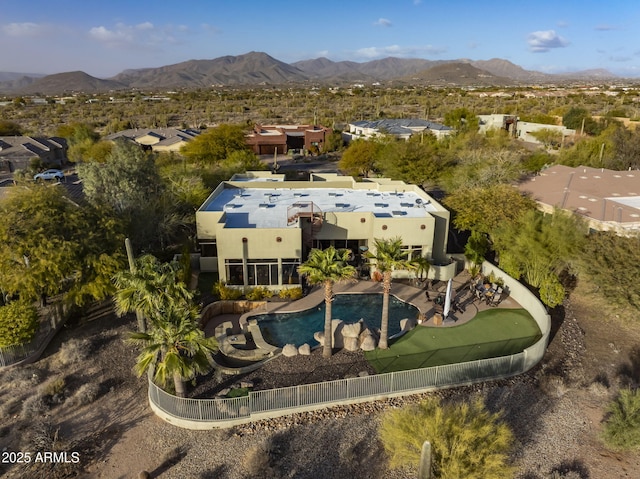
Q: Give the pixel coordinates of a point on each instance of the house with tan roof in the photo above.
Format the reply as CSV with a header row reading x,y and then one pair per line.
x,y
157,139
609,200
17,152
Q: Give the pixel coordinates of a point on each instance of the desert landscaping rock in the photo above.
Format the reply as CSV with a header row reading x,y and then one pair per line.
x,y
304,350
289,350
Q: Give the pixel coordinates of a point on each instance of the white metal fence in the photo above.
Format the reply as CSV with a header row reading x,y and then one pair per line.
x,y
12,354
309,396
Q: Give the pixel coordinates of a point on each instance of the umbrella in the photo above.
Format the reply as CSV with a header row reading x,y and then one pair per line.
x,y
447,299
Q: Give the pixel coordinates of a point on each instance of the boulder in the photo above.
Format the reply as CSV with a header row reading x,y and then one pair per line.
x,y
319,336
368,341
289,350
246,384
304,350
363,374
351,343
407,324
352,330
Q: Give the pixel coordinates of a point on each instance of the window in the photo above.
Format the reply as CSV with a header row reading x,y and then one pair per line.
x,y
263,272
209,249
413,252
290,271
235,274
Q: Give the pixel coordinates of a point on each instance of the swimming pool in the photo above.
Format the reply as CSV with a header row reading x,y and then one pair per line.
x,y
298,328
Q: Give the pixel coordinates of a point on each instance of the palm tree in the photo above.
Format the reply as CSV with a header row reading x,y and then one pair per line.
x,y
327,267
389,256
152,287
175,347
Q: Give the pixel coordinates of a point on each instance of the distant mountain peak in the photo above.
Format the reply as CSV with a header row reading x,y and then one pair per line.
x,y
254,67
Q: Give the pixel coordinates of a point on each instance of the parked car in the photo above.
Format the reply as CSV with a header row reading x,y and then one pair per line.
x,y
49,175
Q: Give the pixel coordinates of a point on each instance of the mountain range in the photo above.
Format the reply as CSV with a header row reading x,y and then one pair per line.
x,y
258,68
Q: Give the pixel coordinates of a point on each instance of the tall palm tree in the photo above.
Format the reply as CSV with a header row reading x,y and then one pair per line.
x,y
327,267
175,347
389,256
152,287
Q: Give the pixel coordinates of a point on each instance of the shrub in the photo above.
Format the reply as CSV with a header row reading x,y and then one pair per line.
x,y
553,386
466,440
238,392
258,293
86,394
73,351
52,388
18,323
222,291
291,293
33,406
622,428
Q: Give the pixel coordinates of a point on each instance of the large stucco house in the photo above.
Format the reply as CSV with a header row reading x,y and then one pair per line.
x,y
522,130
402,128
257,228
270,139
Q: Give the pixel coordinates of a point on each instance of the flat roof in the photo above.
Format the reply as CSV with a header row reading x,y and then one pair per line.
x,y
267,207
597,193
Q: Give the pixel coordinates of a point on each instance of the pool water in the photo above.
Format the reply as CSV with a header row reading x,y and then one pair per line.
x,y
298,328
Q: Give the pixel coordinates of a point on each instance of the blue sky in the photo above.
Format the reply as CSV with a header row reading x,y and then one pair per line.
x,y
104,38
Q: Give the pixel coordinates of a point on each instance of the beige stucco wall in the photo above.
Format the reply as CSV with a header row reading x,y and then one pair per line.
x,y
260,243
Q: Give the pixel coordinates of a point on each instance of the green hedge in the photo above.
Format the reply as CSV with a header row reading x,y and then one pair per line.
x,y
18,323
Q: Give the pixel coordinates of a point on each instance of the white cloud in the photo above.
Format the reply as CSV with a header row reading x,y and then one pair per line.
x,y
143,35
382,22
27,29
145,26
118,36
397,51
543,41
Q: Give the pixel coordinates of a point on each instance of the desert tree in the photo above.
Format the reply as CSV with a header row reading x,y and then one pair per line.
x,y
466,440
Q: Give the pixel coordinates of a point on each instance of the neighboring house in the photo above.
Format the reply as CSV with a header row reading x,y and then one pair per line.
x,y
157,139
400,128
609,200
257,228
17,152
269,139
522,130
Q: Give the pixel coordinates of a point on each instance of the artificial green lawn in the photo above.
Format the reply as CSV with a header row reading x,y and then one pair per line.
x,y
492,333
